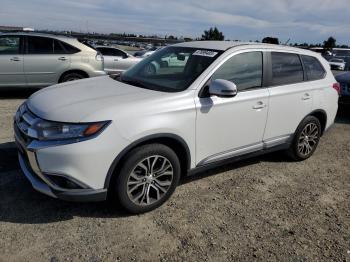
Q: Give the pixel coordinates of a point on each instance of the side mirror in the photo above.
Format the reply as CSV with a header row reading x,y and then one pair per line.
x,y
222,88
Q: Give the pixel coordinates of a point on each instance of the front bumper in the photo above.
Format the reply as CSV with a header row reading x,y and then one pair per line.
x,y
40,182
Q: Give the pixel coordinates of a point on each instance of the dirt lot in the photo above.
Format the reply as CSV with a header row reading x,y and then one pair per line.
x,y
266,208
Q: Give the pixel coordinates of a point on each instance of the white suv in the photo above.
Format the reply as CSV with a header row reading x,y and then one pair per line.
x,y
39,60
132,138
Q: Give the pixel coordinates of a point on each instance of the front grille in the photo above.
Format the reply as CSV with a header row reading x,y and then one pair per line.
x,y
24,123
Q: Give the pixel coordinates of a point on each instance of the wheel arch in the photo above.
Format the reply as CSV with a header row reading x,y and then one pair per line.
x,y
173,141
321,115
78,71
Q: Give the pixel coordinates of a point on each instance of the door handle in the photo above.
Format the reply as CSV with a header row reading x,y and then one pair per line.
x,y
15,59
116,60
62,58
306,96
259,105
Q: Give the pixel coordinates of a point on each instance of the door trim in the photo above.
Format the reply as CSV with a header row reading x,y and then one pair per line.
x,y
270,143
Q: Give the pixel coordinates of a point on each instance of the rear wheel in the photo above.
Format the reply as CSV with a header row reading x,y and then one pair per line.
x,y
148,178
306,139
72,77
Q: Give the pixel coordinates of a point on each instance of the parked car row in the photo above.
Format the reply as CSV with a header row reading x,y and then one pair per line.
x,y
39,60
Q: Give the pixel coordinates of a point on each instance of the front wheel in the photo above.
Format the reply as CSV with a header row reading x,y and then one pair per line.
x,y
148,178
306,139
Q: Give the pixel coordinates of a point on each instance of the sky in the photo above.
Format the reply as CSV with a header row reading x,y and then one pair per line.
x,y
311,21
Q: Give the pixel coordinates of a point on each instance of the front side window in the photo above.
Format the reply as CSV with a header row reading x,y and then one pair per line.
x,y
314,69
9,45
244,70
286,69
171,69
40,45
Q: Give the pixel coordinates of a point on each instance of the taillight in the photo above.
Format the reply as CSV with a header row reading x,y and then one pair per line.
x,y
336,86
99,57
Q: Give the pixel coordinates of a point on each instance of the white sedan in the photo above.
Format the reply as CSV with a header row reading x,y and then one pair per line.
x,y
116,60
337,64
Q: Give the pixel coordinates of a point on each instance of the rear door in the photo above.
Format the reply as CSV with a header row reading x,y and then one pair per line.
x,y
44,61
290,97
11,61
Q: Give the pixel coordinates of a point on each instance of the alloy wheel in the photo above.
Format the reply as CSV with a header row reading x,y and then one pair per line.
x,y
308,139
150,180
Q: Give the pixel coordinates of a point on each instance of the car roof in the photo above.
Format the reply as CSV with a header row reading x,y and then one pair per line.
x,y
63,37
225,45
68,39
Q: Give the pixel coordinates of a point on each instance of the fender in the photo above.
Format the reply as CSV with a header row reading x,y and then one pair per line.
x,y
140,141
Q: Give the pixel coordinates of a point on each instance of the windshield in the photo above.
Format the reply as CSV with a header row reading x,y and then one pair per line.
x,y
171,69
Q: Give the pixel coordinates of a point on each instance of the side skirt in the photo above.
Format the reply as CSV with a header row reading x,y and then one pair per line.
x,y
204,167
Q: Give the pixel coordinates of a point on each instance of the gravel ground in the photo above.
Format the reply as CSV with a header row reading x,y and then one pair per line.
x,y
266,208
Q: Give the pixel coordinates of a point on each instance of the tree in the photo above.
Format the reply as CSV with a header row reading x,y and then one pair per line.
x,y
213,34
271,40
329,44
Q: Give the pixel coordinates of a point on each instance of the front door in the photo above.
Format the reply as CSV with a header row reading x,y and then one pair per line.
x,y
228,127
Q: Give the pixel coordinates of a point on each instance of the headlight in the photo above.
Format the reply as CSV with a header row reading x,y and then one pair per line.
x,y
47,130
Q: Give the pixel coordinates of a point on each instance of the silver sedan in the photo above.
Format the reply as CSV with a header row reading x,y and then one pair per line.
x,y
116,60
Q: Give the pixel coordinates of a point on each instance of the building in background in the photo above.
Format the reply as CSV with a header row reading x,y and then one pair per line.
x,y
4,29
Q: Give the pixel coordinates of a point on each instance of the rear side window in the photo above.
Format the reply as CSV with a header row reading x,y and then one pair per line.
x,y
245,70
40,45
63,48
9,45
286,69
314,69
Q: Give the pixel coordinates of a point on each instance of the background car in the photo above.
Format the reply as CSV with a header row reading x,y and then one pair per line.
x,y
147,52
344,80
116,60
39,60
337,64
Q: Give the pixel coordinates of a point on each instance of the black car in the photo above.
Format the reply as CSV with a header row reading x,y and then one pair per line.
x,y
344,80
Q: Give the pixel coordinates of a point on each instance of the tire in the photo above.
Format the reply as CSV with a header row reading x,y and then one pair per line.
x,y
136,189
72,77
306,139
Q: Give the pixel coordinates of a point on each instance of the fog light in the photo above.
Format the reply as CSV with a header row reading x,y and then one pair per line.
x,y
63,182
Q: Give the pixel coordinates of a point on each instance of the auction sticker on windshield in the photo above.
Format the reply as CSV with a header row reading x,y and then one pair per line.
x,y
205,53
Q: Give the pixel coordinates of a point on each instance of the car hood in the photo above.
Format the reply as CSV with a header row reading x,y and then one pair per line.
x,y
92,99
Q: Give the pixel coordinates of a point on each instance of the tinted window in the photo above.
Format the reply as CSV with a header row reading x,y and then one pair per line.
x,y
286,69
58,48
40,45
245,70
111,52
63,48
116,52
69,49
104,51
9,45
314,69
